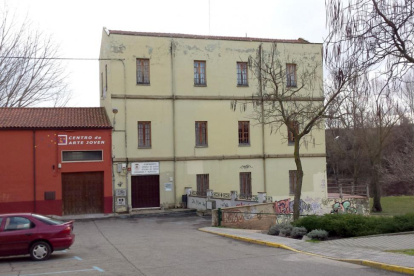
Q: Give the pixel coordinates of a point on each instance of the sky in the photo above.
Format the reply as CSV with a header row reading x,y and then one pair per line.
x,y
77,26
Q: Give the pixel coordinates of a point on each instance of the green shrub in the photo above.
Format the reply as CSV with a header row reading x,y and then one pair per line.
x,y
275,229
287,228
318,234
352,225
298,232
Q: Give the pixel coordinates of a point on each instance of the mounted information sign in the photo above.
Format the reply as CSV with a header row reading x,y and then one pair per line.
x,y
145,168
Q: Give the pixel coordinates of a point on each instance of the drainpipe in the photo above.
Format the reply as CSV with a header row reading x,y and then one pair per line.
x,y
126,137
263,125
34,171
173,120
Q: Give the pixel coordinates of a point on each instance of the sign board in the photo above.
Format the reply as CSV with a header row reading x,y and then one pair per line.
x,y
145,168
120,192
64,140
168,187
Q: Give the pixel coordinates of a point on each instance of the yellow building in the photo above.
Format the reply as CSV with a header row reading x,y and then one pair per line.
x,y
169,96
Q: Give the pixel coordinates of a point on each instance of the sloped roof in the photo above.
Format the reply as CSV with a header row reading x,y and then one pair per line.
x,y
173,35
53,118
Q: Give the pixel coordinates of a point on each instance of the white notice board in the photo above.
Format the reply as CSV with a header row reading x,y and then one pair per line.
x,y
145,168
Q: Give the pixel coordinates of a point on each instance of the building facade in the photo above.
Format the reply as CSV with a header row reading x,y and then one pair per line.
x,y
55,161
169,97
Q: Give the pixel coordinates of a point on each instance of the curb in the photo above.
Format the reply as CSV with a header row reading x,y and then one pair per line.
x,y
383,266
126,215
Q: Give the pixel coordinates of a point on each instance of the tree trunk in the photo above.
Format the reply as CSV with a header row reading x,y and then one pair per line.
x,y
299,178
376,190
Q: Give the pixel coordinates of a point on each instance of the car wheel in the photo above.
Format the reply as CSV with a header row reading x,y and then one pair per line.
x,y
40,251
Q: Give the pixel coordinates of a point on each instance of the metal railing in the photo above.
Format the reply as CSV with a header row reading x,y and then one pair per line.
x,y
349,189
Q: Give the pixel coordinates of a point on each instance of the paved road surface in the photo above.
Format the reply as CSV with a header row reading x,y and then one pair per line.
x,y
171,246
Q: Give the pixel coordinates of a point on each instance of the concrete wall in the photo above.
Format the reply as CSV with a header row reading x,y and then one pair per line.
x,y
262,216
268,158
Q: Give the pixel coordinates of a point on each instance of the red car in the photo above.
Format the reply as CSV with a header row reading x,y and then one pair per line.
x,y
37,235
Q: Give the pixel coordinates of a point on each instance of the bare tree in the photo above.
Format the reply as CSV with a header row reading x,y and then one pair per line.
x,y
378,32
29,73
296,99
371,114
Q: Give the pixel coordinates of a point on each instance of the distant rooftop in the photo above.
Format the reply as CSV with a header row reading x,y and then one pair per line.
x,y
53,118
172,35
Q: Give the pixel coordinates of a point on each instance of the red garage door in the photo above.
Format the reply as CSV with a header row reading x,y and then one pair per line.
x,y
145,191
82,193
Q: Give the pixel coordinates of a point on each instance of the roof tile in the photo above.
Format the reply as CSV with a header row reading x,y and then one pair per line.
x,y
45,118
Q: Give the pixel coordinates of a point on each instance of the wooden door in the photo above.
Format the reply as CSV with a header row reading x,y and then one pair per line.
x,y
82,193
145,191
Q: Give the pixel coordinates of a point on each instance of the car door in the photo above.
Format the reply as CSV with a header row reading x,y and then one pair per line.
x,y
16,235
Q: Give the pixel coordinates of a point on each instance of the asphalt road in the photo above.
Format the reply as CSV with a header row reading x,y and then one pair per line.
x,y
171,246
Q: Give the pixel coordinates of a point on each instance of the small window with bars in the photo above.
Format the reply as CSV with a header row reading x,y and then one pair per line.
x,y
244,135
200,73
144,134
202,184
242,73
292,182
143,71
245,184
201,134
295,126
291,75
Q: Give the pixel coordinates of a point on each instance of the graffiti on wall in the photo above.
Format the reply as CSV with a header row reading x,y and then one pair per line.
x,y
343,207
285,206
198,202
234,217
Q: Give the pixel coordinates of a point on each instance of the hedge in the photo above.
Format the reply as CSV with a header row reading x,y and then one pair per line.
x,y
351,225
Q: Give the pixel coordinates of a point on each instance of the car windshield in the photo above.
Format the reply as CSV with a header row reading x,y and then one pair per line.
x,y
47,220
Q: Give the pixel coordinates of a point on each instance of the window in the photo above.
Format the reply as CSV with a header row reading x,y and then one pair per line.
x,y
295,126
245,184
202,184
244,136
143,71
47,220
199,73
291,75
242,73
144,134
201,134
292,182
18,223
80,156
102,86
106,77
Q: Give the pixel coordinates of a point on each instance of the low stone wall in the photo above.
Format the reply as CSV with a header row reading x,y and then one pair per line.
x,y
263,216
309,206
257,216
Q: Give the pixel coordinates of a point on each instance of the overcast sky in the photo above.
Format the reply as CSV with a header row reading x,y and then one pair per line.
x,y
77,25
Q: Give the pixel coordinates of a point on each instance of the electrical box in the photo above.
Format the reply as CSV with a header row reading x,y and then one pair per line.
x,y
119,168
124,166
211,204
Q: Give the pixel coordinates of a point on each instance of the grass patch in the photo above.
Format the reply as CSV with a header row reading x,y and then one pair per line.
x,y
409,252
395,205
313,241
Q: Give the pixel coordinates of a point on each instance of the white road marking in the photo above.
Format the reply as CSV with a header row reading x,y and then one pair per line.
x,y
94,268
